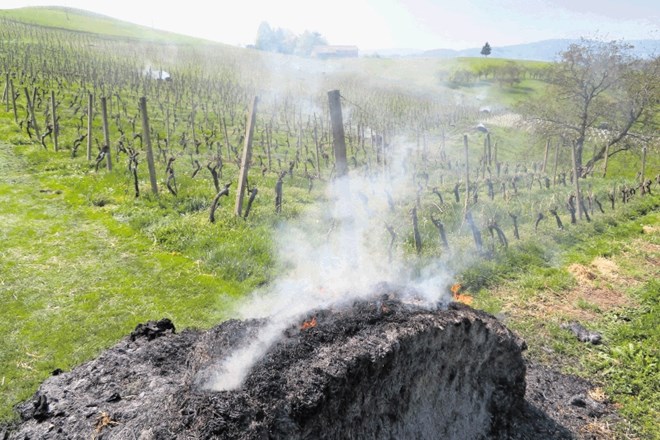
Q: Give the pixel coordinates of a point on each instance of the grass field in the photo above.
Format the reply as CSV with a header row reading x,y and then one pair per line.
x,y
74,280
82,21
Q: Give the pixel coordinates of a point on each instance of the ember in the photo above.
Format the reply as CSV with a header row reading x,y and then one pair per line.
x,y
308,324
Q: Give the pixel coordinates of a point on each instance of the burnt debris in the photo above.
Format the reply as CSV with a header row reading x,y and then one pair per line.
x,y
379,368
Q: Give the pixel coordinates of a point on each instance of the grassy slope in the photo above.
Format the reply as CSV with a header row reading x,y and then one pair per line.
x,y
428,74
73,280
83,21
605,275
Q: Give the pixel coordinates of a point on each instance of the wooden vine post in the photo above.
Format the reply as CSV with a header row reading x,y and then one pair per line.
x,y
545,156
489,151
106,131
554,169
146,139
607,156
318,150
90,121
168,131
576,181
245,159
643,173
467,173
338,141
53,111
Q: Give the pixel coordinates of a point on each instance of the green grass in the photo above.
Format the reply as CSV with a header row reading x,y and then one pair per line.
x,y
73,280
486,79
626,366
630,362
82,21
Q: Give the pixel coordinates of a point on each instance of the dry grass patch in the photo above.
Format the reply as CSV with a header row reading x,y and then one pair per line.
x,y
650,229
597,430
599,289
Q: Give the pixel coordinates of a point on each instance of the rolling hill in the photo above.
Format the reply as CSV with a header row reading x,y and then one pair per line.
x,y
78,20
545,50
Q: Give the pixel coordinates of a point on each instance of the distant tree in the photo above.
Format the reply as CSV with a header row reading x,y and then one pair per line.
x,y
307,41
266,38
598,87
485,51
509,73
284,41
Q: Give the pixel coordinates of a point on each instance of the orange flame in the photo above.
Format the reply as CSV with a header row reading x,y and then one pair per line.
x,y
465,299
308,324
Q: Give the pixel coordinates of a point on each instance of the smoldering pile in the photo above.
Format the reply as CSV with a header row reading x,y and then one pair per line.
x,y
378,368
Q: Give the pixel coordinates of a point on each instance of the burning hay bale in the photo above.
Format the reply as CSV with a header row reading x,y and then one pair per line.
x,y
379,368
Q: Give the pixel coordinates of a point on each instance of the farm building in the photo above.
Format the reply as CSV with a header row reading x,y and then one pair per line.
x,y
325,52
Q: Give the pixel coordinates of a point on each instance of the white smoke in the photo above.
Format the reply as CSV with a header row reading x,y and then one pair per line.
x,y
338,251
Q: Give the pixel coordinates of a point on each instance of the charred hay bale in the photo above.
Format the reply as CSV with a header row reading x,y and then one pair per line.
x,y
376,369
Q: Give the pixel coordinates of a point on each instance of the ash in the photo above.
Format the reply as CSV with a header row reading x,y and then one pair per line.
x,y
375,369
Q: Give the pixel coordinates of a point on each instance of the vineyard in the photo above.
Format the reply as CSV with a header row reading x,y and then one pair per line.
x,y
122,158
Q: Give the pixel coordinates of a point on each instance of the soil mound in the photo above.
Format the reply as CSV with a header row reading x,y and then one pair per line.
x,y
382,368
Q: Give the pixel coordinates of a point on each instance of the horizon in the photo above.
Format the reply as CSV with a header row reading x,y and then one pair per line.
x,y
373,25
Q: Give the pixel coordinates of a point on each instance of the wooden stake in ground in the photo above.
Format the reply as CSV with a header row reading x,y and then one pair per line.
x,y
247,155
606,157
467,174
576,182
338,141
53,112
146,138
545,156
489,151
90,121
643,173
554,169
318,150
418,237
106,131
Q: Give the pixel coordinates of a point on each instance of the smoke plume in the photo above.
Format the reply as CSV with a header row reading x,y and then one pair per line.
x,y
338,251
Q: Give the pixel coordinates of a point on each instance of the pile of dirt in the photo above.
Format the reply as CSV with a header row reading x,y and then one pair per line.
x,y
382,368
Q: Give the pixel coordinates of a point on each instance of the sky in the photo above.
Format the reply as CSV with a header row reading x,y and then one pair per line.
x,y
385,24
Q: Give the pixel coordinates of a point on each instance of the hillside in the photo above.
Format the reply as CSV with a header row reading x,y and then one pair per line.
x,y
78,20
